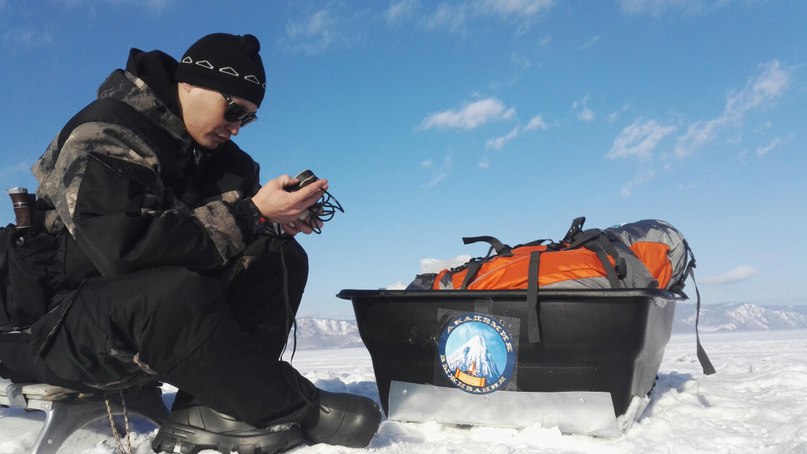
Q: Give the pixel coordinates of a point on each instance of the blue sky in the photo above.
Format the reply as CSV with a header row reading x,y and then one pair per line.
x,y
438,120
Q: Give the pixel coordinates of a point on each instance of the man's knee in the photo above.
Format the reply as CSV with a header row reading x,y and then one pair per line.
x,y
163,313
270,257
182,309
178,293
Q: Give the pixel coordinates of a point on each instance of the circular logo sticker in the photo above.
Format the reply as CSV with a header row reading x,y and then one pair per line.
x,y
477,353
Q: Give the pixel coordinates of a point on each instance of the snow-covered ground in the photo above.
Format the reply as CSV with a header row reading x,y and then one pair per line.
x,y
756,403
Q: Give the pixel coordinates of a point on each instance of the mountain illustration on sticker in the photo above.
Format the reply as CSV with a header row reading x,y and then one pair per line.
x,y
473,364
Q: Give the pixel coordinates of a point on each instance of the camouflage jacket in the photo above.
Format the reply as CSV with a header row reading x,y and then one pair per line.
x,y
128,205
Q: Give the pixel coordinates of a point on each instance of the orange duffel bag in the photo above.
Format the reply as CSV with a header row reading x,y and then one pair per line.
x,y
643,254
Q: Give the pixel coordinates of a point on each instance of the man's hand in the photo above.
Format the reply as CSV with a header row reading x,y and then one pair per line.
x,y
289,209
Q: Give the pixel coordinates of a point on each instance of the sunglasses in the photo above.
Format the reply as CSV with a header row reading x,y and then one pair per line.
x,y
235,113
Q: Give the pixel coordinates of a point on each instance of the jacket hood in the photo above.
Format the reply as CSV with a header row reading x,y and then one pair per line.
x,y
153,95
157,69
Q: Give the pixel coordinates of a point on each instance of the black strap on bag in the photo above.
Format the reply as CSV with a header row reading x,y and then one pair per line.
x,y
574,230
703,358
600,243
533,323
595,240
610,270
495,245
500,248
470,275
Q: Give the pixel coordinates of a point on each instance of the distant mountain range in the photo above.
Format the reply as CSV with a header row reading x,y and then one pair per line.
x,y
739,317
314,333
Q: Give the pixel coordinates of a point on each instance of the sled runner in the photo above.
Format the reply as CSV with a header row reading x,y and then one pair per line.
x,y
568,334
67,411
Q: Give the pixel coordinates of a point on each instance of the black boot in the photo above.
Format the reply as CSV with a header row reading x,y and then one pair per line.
x,y
192,429
342,419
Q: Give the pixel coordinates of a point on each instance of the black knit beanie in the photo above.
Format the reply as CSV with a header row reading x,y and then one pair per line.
x,y
227,63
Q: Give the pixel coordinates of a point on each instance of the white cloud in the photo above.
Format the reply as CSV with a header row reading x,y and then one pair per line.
x,y
698,134
738,274
639,139
758,92
430,265
657,8
772,145
450,17
157,5
590,43
585,114
638,180
772,82
153,6
441,173
454,16
397,285
20,39
484,163
536,122
470,116
520,60
517,7
613,116
317,29
400,11
499,142
322,30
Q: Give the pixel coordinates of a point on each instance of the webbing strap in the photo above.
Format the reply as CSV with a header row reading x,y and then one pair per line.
x,y
581,238
706,364
495,244
576,227
610,272
473,267
470,274
600,243
533,325
621,268
703,358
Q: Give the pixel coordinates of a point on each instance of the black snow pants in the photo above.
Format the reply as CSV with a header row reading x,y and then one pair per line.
x,y
218,345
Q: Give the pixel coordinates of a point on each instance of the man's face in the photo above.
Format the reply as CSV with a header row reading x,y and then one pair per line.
x,y
203,114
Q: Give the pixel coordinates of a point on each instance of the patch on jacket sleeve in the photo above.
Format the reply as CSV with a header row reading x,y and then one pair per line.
x,y
222,228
